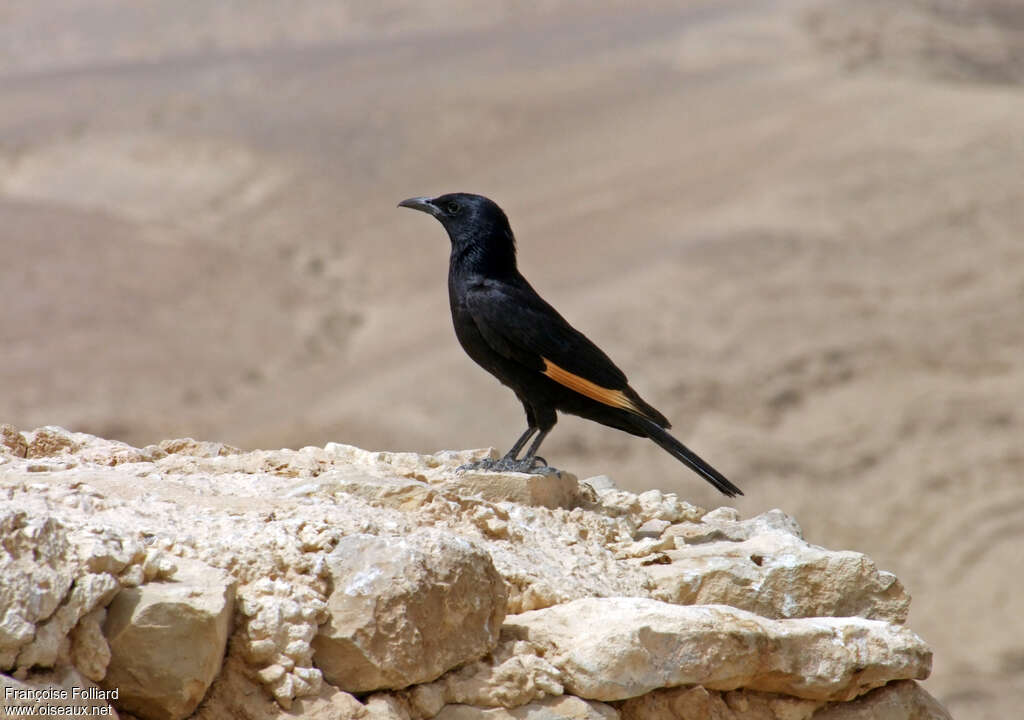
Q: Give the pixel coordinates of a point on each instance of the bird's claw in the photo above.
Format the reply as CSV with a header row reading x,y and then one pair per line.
x,y
539,466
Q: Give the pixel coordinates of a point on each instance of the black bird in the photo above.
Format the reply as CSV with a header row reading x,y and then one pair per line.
x,y
509,330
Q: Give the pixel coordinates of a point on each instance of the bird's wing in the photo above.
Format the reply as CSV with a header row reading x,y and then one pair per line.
x,y
518,324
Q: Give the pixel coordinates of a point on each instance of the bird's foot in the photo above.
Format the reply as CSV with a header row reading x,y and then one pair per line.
x,y
505,464
534,466
484,464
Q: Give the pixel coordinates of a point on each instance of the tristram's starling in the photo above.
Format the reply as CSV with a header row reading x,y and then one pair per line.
x,y
510,331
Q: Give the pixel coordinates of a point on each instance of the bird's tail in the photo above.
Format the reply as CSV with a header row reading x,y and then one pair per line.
x,y
686,456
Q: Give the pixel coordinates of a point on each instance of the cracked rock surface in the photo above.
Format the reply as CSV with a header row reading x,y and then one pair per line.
x,y
197,580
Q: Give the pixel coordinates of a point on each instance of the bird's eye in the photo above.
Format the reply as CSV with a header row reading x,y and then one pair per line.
x,y
453,208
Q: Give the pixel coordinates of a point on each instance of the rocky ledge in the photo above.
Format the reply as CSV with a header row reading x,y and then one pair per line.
x,y
190,579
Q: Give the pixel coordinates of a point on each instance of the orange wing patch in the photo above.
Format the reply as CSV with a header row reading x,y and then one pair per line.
x,y
615,398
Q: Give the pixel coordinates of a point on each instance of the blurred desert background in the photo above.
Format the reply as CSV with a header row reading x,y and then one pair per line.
x,y
797,226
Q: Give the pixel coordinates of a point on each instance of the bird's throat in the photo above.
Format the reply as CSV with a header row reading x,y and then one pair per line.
x,y
483,257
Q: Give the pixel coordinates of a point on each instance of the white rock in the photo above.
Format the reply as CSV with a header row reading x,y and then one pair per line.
x,y
904,700
51,637
37,574
167,641
279,621
617,648
699,702
271,518
553,490
779,575
656,505
381,706
725,524
90,652
555,556
105,550
563,707
401,492
512,675
235,694
653,529
600,483
406,609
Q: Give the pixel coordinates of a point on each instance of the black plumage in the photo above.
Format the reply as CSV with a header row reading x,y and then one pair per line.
x,y
509,330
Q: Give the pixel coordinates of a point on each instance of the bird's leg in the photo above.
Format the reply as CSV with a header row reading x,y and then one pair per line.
x,y
513,452
530,459
508,461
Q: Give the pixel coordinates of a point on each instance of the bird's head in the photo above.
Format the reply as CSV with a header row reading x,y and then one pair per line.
x,y
474,223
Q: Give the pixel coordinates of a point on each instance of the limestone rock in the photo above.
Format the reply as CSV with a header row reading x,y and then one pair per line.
x,y
905,700
406,609
82,518
385,706
559,489
44,603
725,524
12,441
778,575
55,584
699,702
440,470
435,468
654,529
563,707
36,576
617,648
426,701
401,493
167,641
658,505
56,443
49,441
599,483
105,550
236,694
553,556
513,674
90,652
197,448
279,621
648,505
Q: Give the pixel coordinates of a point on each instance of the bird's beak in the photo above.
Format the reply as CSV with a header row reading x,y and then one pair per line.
x,y
423,204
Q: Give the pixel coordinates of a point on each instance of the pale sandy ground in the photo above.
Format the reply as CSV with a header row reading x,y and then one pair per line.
x,y
799,231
